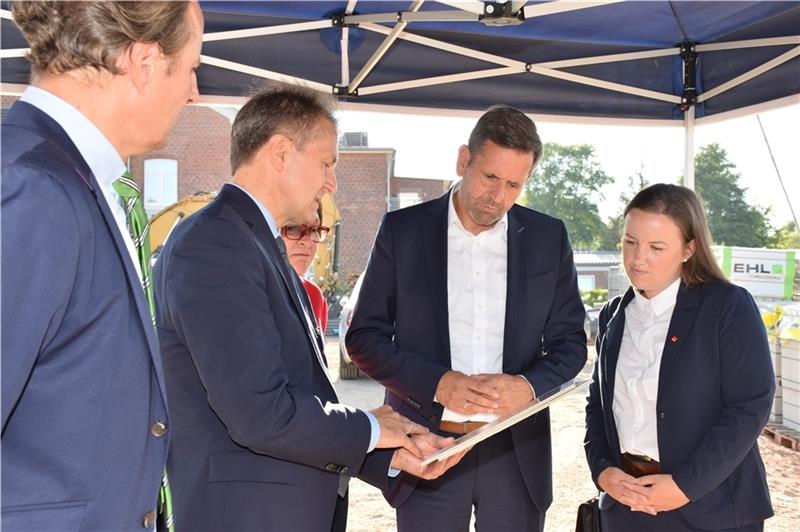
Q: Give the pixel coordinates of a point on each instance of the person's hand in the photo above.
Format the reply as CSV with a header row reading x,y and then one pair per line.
x,y
465,395
661,491
622,488
428,444
396,430
513,391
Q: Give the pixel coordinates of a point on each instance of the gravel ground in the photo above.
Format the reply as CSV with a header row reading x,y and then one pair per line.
x,y
369,512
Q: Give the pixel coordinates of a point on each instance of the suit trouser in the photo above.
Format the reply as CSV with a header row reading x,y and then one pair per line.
x,y
489,479
619,518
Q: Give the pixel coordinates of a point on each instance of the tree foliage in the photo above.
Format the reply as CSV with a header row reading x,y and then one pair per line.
x,y
732,220
787,237
567,184
612,235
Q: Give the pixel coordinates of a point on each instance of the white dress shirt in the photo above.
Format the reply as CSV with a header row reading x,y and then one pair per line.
x,y
100,155
476,300
638,366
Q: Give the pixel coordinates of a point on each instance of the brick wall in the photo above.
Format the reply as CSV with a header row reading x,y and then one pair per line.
x,y
361,200
200,142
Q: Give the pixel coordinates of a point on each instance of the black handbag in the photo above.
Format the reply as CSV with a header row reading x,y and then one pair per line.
x,y
588,516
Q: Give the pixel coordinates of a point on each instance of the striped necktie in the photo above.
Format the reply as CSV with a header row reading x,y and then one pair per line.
x,y
139,230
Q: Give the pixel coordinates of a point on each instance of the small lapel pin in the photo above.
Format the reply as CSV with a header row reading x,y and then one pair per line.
x,y
674,339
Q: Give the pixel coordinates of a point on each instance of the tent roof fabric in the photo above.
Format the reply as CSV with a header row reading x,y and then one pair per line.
x,y
469,65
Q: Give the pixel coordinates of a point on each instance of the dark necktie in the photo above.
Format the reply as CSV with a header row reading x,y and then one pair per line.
x,y
344,480
138,228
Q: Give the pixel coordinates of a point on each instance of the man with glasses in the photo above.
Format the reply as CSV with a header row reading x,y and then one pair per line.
x,y
301,247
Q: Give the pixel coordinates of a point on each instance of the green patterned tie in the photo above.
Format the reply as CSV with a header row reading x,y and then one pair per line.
x,y
139,230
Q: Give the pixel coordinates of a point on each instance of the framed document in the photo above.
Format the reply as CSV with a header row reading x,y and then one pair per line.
x,y
502,423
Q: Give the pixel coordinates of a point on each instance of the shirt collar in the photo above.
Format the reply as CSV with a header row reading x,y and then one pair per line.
x,y
454,220
662,302
273,226
98,152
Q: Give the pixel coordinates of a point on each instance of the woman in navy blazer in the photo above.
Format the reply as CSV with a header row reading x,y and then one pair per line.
x,y
694,384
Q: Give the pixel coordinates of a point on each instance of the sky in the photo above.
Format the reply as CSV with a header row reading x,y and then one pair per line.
x,y
426,147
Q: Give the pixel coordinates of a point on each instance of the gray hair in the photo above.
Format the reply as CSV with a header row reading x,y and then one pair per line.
x,y
289,110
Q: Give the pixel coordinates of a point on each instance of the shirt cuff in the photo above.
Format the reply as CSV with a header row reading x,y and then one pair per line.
x,y
393,472
375,431
529,384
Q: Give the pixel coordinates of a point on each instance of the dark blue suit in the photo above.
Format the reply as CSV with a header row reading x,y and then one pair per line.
x,y
400,330
82,380
258,439
715,391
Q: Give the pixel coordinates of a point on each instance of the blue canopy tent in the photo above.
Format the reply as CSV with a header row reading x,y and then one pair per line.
x,y
655,60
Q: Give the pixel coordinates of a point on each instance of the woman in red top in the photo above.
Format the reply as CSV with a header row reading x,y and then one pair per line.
x,y
301,246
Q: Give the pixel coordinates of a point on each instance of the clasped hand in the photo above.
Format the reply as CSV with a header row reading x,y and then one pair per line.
x,y
649,494
414,443
485,393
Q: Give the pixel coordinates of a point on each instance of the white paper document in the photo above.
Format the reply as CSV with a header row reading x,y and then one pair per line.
x,y
502,423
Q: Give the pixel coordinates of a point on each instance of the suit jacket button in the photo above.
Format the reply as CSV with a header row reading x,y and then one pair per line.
x,y
330,467
149,520
158,429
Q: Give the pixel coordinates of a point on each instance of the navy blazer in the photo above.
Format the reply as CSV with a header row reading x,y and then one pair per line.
x,y
82,380
259,440
715,389
400,335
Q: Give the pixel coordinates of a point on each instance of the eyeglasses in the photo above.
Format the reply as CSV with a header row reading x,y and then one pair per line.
x,y
298,232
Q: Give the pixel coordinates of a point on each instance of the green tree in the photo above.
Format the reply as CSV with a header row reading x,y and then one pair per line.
x,y
612,236
787,237
732,220
567,185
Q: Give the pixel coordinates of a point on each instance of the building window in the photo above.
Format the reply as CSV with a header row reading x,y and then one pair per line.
x,y
160,184
403,200
586,282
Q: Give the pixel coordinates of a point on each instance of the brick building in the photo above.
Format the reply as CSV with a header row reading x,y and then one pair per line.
x,y
198,147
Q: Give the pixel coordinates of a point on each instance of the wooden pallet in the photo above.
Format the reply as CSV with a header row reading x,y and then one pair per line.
x,y
783,436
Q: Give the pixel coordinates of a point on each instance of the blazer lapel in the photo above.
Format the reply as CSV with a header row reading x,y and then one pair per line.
x,y
434,236
269,248
612,340
518,235
63,144
683,316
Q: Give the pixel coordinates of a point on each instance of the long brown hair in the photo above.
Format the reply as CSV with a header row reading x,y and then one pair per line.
x,y
685,209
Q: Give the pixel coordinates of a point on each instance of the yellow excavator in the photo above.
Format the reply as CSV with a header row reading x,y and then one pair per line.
x,y
164,222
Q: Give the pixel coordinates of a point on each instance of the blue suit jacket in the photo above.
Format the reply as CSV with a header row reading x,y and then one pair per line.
x,y
258,439
82,378
400,335
715,389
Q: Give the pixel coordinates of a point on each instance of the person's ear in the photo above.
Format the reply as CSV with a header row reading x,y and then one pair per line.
x,y
279,151
689,250
463,160
140,63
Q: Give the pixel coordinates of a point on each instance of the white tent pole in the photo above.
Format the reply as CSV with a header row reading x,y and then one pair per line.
x,y
262,73
345,44
750,74
688,154
267,30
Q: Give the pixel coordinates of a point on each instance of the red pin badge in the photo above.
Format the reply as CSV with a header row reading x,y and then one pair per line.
x,y
674,339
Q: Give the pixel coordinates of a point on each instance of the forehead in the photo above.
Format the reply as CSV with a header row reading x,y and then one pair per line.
x,y
324,137
651,225
505,163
